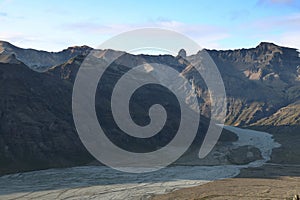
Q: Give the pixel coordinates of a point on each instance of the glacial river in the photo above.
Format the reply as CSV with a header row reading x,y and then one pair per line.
x,y
99,182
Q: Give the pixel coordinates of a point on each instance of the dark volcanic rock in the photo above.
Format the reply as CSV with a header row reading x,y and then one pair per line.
x,y
244,155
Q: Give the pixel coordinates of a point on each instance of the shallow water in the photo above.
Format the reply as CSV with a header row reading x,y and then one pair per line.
x,y
100,182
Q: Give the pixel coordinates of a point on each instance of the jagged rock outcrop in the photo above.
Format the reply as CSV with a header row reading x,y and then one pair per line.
x,y
182,53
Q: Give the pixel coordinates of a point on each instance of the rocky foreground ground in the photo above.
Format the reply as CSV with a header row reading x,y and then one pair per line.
x,y
239,188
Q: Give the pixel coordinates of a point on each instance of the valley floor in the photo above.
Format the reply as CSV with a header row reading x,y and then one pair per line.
x,y
257,180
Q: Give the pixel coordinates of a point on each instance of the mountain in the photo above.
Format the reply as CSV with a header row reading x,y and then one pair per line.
x,y
263,91
41,60
267,62
36,125
258,81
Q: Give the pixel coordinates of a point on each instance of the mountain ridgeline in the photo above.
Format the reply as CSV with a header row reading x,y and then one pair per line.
x,y
41,60
36,126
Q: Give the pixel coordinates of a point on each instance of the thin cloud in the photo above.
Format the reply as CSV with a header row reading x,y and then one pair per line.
x,y
291,21
206,35
5,3
239,14
284,30
281,1
270,2
3,14
12,36
35,41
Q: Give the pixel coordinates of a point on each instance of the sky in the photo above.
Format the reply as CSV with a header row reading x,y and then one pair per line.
x,y
214,24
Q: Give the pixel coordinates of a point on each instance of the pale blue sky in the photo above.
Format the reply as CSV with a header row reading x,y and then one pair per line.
x,y
221,24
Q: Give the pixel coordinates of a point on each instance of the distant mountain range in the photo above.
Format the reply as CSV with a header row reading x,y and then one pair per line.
x,y
41,60
36,124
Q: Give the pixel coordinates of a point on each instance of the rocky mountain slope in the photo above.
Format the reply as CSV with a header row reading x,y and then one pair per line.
x,y
258,81
263,92
36,124
36,127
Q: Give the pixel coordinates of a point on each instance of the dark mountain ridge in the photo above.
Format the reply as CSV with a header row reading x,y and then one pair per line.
x,y
36,125
36,122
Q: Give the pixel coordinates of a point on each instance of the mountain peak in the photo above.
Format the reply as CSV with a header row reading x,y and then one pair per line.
x,y
267,46
79,47
5,46
182,53
272,46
